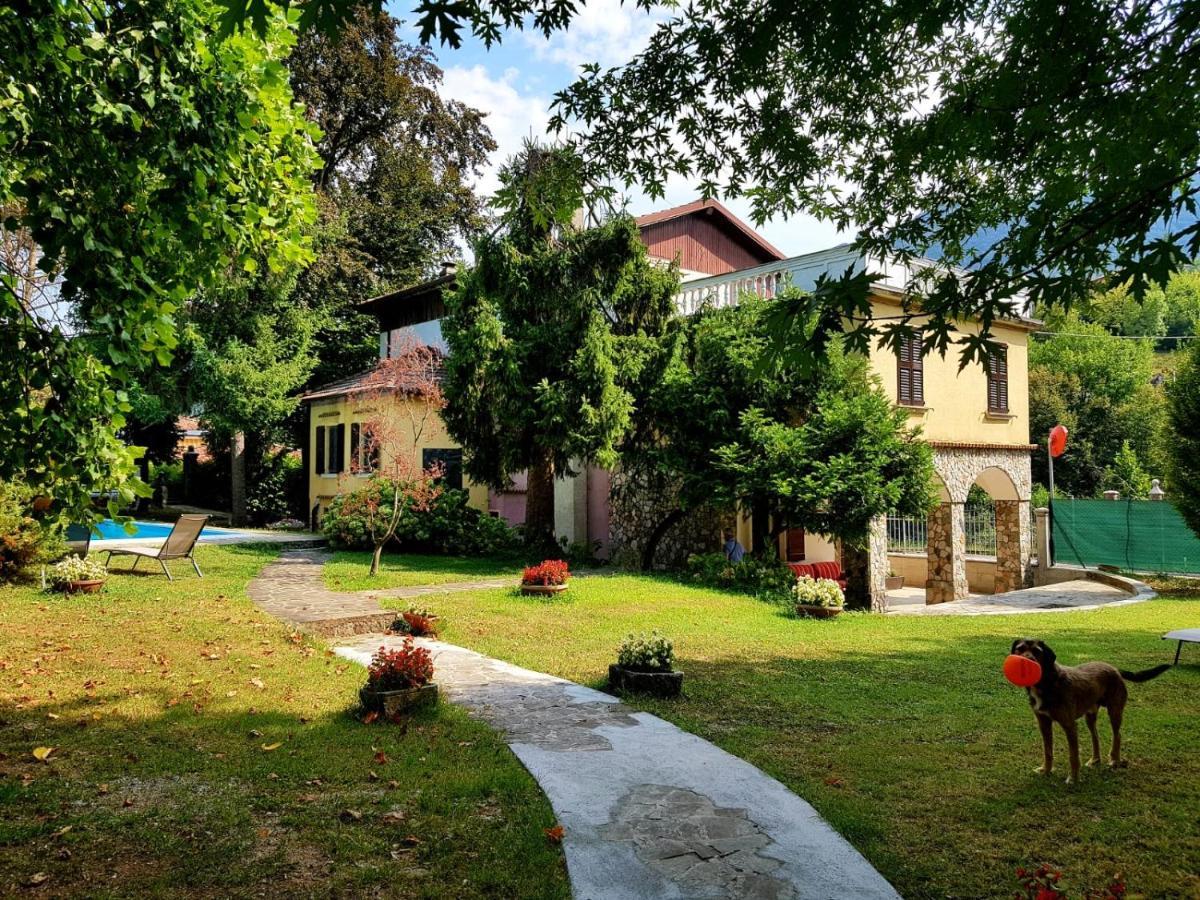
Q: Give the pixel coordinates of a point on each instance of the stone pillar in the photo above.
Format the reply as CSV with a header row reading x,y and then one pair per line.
x,y
947,579
866,570
1043,537
1012,545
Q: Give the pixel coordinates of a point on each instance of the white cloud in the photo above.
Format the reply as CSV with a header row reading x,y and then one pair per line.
x,y
512,115
608,32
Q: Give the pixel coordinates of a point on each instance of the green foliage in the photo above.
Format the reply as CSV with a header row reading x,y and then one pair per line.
x,y
1127,475
1185,444
445,525
1172,309
548,334
820,450
24,540
144,158
278,490
767,578
1098,386
646,653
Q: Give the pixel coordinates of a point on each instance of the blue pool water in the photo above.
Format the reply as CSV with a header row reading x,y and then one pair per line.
x,y
111,531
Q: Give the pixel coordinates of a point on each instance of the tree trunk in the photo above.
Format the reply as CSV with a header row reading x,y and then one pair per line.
x,y
656,535
375,557
539,501
760,523
237,479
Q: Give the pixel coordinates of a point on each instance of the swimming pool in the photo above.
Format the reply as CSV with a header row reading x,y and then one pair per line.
x,y
111,531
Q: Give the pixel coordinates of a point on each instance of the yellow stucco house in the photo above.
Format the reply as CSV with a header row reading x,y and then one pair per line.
x,y
976,420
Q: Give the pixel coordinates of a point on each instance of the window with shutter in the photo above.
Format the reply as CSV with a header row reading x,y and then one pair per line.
x,y
998,381
339,436
910,373
795,545
356,453
319,454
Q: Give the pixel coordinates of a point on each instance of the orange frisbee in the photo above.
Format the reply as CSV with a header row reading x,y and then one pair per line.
x,y
1022,671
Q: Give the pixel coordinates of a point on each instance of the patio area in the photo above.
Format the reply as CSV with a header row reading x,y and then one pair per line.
x,y
1067,596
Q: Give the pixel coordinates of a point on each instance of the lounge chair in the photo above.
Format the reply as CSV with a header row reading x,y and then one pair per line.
x,y
79,539
179,545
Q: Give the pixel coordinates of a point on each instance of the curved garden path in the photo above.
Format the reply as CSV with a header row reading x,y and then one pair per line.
x,y
648,810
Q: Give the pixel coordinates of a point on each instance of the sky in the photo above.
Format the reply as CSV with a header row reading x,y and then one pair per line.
x,y
515,82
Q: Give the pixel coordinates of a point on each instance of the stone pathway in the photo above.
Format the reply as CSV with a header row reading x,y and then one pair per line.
x,y
292,589
649,810
1064,597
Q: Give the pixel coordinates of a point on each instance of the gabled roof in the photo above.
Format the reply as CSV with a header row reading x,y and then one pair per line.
x,y
713,208
385,379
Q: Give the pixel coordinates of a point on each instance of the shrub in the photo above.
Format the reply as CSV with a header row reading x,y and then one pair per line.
x,y
400,669
24,541
547,572
447,525
277,489
822,592
767,579
646,654
75,569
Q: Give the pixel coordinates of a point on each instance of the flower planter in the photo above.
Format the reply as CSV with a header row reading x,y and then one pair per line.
x,y
893,582
90,586
818,612
656,684
543,589
391,703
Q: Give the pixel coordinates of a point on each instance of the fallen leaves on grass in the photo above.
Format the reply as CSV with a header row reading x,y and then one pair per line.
x,y
43,753
555,835
350,815
267,748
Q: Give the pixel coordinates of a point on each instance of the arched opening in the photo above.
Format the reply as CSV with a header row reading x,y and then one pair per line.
x,y
998,533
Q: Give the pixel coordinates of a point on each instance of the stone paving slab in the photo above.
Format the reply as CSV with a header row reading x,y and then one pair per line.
x,y
649,810
1064,597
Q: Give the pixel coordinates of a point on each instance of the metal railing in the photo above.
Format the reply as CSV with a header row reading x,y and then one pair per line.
x,y
910,534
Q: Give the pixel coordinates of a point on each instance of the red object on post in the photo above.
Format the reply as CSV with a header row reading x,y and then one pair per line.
x,y
1022,671
1058,440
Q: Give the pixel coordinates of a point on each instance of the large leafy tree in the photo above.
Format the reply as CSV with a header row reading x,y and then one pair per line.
x,y
1099,386
1038,143
820,450
144,158
1185,428
546,333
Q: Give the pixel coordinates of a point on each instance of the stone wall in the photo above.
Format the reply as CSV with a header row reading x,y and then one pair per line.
x,y
636,506
1013,543
947,554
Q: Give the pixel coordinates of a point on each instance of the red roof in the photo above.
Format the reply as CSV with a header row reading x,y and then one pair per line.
x,y
713,207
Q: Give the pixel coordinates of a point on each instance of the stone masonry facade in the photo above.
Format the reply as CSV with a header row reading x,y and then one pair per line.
x,y
636,506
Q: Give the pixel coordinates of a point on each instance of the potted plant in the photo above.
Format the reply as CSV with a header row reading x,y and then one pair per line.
x,y
78,575
819,598
399,680
416,621
893,582
548,577
645,665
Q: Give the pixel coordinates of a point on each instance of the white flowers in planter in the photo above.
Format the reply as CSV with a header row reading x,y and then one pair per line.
x,y
73,568
822,592
648,654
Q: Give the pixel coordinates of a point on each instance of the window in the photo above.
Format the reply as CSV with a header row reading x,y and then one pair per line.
x,y
910,372
451,461
335,456
364,452
795,545
319,461
997,379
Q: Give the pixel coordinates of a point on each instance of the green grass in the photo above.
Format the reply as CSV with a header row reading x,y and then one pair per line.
x,y
347,571
161,702
902,731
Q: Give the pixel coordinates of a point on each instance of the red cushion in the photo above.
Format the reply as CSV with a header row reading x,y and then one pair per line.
x,y
830,570
801,569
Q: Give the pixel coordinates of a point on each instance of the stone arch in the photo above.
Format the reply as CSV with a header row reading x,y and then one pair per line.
x,y
998,483
960,466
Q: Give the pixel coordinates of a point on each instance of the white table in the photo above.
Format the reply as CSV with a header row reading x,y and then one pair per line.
x,y
1184,636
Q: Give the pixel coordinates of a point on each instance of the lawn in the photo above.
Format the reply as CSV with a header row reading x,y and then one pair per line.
x,y
199,748
901,731
347,571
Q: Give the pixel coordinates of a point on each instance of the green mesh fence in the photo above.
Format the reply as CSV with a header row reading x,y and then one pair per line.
x,y
1139,535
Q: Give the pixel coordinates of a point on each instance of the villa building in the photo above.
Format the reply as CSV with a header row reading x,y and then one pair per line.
x,y
976,419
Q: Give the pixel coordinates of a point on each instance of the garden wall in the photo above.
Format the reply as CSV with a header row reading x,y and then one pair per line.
x,y
636,506
981,572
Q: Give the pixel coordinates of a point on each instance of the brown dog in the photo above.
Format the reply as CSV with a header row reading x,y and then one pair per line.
x,y
1065,693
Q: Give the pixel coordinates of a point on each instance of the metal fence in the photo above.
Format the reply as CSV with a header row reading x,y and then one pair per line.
x,y
910,534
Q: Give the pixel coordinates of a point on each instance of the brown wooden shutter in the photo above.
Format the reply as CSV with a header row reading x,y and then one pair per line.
x,y
998,381
910,373
795,545
356,454
319,463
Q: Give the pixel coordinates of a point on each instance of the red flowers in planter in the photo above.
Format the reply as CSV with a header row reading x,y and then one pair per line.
x,y
399,670
549,571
